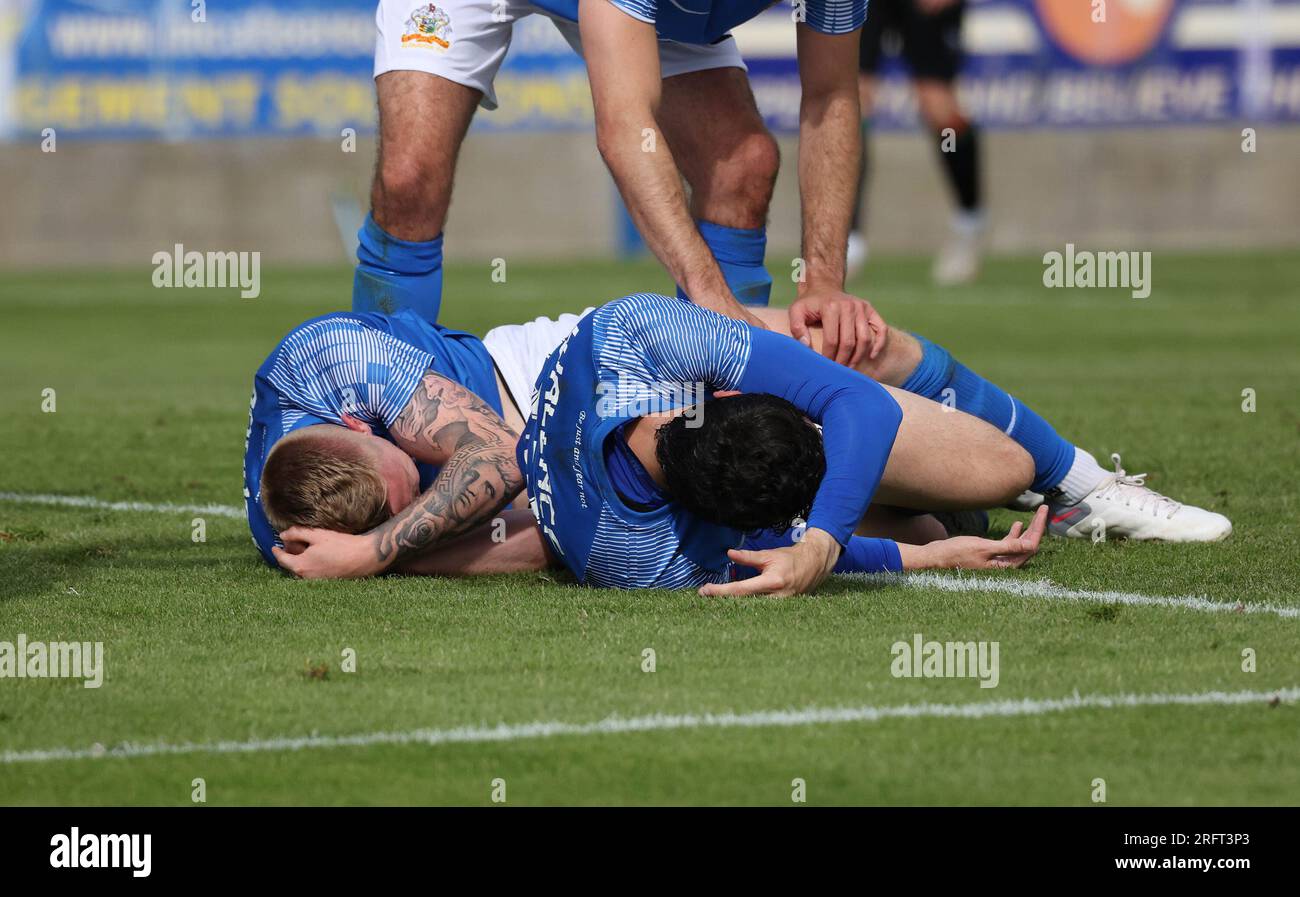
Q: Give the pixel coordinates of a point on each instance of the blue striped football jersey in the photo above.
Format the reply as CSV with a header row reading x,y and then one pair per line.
x,y
708,21
363,365
636,355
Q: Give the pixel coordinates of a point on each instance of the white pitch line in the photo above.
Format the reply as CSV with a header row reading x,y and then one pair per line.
x,y
1041,588
85,501
614,725
1032,588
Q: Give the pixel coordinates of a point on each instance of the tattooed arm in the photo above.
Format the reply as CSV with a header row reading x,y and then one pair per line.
x,y
443,424
447,425
510,543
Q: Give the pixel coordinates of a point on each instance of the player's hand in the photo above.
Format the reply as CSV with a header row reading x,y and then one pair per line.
x,y
325,554
851,329
974,553
782,572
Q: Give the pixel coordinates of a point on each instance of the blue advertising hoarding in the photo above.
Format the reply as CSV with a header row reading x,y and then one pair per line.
x,y
181,69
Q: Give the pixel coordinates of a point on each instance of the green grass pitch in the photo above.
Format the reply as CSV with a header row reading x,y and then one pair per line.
x,y
203,644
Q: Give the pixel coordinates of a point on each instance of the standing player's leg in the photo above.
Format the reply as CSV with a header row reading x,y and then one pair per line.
x,y
722,149
727,156
430,75
932,49
422,120
1079,491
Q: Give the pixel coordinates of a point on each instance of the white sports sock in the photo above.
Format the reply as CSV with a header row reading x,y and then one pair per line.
x,y
1083,477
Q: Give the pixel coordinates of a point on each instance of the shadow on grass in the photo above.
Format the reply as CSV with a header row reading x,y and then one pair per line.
x,y
33,569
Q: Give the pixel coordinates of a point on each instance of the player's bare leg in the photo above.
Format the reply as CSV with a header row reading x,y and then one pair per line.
x,y
422,122
1083,496
721,145
730,161
944,459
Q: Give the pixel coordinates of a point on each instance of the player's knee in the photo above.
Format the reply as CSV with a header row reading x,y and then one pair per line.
x,y
746,177
760,160
1016,470
407,190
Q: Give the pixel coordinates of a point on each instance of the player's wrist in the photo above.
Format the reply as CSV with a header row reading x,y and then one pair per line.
x,y
373,558
916,557
822,547
709,290
941,554
822,284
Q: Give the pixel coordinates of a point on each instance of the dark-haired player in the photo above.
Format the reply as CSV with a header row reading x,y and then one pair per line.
x,y
634,493
630,496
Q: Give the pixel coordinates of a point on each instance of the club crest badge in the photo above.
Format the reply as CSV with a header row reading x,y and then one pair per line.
x,y
428,27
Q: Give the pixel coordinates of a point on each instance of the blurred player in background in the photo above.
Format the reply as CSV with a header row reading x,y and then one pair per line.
x,y
928,35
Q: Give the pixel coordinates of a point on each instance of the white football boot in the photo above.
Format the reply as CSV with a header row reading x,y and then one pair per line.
x,y
1122,506
1029,500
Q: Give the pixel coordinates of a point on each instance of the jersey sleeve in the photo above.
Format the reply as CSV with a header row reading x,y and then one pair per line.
x,y
836,16
671,345
860,555
337,366
859,420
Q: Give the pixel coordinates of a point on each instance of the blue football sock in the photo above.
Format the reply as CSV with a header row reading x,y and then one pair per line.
x,y
739,252
941,378
393,274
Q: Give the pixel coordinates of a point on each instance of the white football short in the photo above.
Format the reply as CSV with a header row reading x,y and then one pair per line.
x,y
520,350
465,41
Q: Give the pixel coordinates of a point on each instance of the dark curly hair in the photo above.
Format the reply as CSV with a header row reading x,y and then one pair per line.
x,y
754,462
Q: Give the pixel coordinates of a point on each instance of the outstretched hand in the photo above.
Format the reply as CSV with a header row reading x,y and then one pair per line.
x,y
975,553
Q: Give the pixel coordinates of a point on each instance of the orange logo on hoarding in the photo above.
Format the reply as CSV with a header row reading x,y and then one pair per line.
x,y
1104,32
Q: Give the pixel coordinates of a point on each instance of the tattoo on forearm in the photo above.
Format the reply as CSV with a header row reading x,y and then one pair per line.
x,y
479,477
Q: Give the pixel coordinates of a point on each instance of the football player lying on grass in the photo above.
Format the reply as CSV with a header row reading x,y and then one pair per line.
x,y
368,451
334,370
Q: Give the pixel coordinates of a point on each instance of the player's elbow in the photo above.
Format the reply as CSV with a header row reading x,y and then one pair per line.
x,y
612,137
626,125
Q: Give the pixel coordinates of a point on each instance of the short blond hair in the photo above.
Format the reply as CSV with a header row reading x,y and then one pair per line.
x,y
322,480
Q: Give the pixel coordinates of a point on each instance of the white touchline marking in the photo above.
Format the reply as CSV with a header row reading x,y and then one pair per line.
x,y
85,501
945,582
614,725
1041,588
